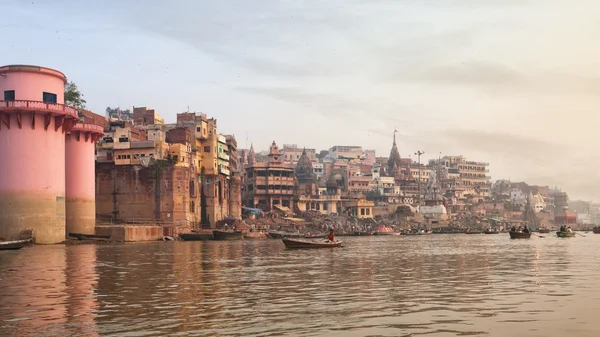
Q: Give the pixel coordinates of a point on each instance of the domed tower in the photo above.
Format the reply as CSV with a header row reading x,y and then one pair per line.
x,y
307,179
393,169
274,156
33,124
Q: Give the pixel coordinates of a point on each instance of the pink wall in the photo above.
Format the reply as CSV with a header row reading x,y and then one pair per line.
x,y
80,181
31,85
32,188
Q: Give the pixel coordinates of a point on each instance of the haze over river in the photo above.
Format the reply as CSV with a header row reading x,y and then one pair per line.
x,y
436,285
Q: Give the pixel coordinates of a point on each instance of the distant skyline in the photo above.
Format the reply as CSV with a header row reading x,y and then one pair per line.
x,y
513,83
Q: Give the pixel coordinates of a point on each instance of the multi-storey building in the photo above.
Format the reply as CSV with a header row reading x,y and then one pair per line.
x,y
268,184
291,153
143,116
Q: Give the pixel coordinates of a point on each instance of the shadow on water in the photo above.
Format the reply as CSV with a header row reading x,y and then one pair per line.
x,y
447,285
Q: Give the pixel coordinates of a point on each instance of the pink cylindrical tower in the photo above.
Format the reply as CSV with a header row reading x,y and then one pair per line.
x,y
80,171
33,123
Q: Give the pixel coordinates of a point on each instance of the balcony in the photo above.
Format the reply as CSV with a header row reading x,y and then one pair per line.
x,y
224,170
223,155
28,106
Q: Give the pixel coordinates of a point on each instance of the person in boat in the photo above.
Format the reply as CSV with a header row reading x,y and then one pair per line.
x,y
569,229
331,237
525,229
513,229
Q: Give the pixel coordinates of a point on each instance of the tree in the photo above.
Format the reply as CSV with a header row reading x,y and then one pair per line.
x,y
73,97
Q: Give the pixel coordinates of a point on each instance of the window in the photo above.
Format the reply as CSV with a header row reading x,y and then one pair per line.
x,y
128,156
49,97
9,95
198,129
207,149
368,210
362,211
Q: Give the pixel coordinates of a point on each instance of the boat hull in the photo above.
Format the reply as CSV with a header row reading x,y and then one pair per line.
x,y
297,244
565,234
596,230
227,236
544,231
196,236
80,236
471,232
280,235
491,232
13,245
519,235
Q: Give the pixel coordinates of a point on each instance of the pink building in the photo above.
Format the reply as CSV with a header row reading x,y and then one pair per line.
x,y
34,127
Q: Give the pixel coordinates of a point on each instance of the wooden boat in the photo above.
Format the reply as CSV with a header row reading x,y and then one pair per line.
x,y
474,232
13,245
80,236
596,230
224,235
281,235
491,232
565,234
361,234
196,236
417,233
383,233
519,235
544,230
315,236
298,243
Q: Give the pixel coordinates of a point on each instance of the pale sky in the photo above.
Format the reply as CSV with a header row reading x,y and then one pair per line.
x,y
512,82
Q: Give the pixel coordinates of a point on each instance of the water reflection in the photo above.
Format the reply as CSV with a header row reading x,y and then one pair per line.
x,y
443,285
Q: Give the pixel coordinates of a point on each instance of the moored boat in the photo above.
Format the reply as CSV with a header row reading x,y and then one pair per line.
x,y
417,233
491,232
80,236
565,234
474,232
315,236
596,230
544,230
196,236
281,235
519,235
226,235
13,245
299,243
361,234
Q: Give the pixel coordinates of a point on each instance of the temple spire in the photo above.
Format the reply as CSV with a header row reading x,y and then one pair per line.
x,y
395,131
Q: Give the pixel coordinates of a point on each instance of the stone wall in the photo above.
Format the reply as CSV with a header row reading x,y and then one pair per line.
x,y
132,193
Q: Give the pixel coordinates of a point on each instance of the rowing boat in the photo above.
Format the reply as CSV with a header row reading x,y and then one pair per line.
x,y
297,243
224,235
13,245
565,234
519,235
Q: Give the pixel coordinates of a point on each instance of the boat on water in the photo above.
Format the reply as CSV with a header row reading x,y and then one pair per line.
x,y
196,236
13,245
299,243
596,230
228,235
519,235
476,231
281,235
417,233
80,236
565,234
315,236
448,230
488,231
544,230
361,234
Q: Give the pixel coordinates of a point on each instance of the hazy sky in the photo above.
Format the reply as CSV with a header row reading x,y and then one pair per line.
x,y
512,82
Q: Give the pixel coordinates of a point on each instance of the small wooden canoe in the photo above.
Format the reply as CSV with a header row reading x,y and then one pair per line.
x,y
196,236
315,236
544,230
13,245
224,235
519,235
281,235
298,243
80,236
491,232
473,232
565,234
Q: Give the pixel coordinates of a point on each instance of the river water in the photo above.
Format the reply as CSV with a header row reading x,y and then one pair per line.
x,y
437,285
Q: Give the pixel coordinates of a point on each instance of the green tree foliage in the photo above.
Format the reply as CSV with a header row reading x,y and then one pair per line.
x,y
73,97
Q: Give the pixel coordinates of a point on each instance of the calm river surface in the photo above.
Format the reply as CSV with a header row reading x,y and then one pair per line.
x,y
439,285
